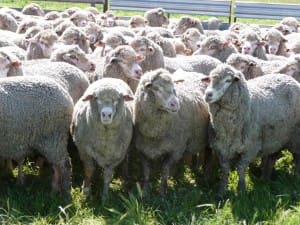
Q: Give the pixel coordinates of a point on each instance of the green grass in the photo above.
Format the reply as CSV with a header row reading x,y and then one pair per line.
x,y
189,201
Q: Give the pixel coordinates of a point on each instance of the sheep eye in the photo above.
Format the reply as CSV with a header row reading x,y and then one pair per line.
x,y
73,57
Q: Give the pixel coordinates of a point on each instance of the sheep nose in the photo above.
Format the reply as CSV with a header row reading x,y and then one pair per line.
x,y
106,115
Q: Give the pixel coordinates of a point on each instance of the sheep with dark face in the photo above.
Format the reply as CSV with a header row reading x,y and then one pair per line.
x,y
251,118
102,128
169,119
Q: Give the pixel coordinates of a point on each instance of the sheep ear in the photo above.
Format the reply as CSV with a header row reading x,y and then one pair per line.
x,y
16,63
127,98
206,79
88,98
114,59
226,43
151,49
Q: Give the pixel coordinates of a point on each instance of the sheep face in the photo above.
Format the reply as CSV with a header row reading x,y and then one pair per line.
x,y
292,67
77,57
137,21
79,19
6,63
108,103
47,43
165,95
210,46
128,60
143,46
219,81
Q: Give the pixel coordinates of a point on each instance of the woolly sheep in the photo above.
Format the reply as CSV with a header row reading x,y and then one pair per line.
x,y
8,22
291,22
152,53
252,117
74,55
9,64
33,9
186,22
137,21
41,45
252,44
102,128
217,47
68,76
191,37
275,42
166,44
251,66
169,120
36,114
156,17
195,63
291,67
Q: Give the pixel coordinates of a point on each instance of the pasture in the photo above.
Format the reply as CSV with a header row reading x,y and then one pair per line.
x,y
190,200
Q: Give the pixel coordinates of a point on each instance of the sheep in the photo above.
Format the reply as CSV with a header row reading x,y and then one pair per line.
x,y
52,15
217,47
25,24
156,17
68,76
74,35
94,33
152,53
14,13
61,27
252,44
251,118
15,50
8,22
180,47
137,21
291,22
291,67
196,63
251,66
275,42
186,22
102,128
108,19
9,64
213,23
284,29
79,18
166,44
41,45
122,63
36,117
191,37
33,9
167,117
74,55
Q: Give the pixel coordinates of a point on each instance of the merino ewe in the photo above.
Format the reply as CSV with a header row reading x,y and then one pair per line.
x,y
217,47
94,33
8,22
186,22
33,9
102,128
41,45
137,21
166,44
252,44
251,66
191,37
195,63
74,55
68,76
275,42
156,17
9,64
291,22
36,117
252,117
291,67
79,18
74,35
169,120
122,63
152,53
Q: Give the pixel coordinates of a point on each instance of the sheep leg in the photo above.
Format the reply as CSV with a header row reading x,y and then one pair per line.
x,y
268,165
146,171
107,177
225,174
56,181
242,174
167,164
65,176
20,178
88,174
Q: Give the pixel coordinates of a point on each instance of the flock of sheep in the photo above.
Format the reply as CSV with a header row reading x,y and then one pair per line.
x,y
162,89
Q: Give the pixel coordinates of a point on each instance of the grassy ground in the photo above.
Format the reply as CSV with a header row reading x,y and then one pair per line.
x,y
190,199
